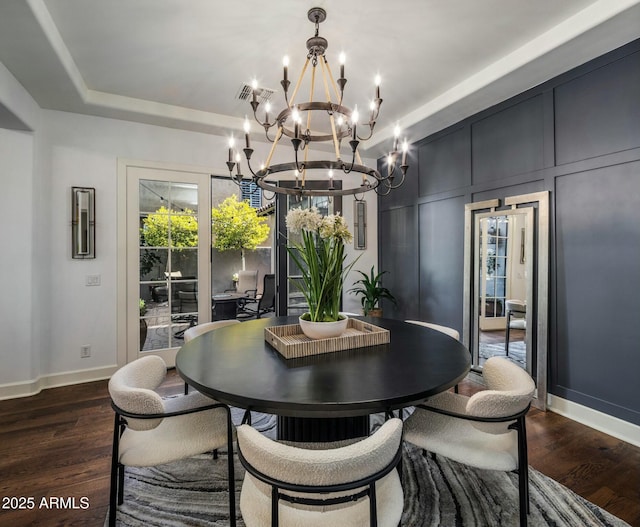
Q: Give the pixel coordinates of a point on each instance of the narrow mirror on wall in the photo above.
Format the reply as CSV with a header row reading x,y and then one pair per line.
x,y
504,287
506,284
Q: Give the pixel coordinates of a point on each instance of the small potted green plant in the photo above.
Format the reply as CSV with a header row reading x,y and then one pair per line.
x,y
369,287
143,323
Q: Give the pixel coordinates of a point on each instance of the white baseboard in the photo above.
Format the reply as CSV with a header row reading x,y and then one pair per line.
x,y
25,389
608,424
623,430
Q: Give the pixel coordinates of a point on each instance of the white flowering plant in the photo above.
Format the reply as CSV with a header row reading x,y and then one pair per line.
x,y
320,257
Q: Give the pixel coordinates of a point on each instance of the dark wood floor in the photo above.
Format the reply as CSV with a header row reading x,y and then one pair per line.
x,y
57,444
498,336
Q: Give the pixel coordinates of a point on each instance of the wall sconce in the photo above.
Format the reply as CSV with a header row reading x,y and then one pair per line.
x,y
360,224
83,222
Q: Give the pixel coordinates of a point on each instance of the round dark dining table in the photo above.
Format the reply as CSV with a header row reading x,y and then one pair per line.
x,y
327,396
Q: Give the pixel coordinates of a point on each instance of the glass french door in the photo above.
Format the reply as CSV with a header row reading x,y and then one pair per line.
x,y
168,249
494,253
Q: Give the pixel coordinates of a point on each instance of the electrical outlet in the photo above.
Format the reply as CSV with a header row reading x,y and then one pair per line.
x,y
85,351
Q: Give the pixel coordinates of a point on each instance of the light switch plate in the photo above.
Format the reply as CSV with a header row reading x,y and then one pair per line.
x,y
92,279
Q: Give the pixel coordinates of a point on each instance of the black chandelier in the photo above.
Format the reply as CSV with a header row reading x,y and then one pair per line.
x,y
297,123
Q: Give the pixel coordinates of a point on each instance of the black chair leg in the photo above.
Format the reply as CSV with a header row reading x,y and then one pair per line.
x,y
522,492
232,478
120,484
523,471
373,508
506,340
113,492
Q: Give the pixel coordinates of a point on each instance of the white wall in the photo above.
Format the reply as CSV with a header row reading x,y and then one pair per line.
x,y
17,101
16,219
83,151
77,150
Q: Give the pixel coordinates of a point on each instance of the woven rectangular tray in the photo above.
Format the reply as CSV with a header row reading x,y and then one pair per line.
x,y
291,343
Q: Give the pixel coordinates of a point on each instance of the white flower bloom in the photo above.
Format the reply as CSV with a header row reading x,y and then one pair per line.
x,y
335,226
303,219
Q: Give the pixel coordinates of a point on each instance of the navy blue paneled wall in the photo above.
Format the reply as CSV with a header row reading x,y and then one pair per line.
x,y
577,136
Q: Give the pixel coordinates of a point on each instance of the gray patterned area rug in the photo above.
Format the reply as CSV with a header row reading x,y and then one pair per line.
x,y
437,493
517,351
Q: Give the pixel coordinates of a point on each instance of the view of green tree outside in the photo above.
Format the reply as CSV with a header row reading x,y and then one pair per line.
x,y
184,228
235,225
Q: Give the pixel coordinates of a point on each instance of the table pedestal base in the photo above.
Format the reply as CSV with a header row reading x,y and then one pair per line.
x,y
318,429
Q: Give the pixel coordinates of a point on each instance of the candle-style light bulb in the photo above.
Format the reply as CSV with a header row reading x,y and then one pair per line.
x,y
238,162
405,149
254,90
330,178
231,143
342,58
354,121
247,129
340,120
295,115
377,81
267,109
285,64
396,137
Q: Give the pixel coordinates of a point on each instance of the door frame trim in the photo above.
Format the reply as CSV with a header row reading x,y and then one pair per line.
x,y
123,166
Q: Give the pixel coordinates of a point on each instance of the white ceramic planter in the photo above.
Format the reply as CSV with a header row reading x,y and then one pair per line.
x,y
323,330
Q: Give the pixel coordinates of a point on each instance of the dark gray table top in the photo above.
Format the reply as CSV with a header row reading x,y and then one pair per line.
x,y
236,366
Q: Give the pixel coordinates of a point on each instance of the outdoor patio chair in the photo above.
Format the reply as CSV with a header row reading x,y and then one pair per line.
x,y
516,319
266,302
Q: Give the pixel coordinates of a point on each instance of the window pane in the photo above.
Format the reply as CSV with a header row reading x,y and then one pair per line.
x,y
157,337
183,198
153,264
184,263
153,195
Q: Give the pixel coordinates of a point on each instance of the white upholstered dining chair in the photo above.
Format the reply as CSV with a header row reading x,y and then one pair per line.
x,y
150,430
442,329
486,430
201,329
352,485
